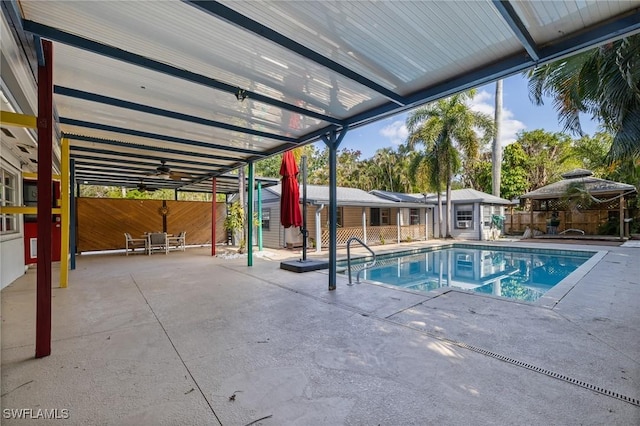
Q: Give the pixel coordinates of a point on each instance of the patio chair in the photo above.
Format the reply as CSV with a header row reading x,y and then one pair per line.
x,y
134,243
178,241
157,241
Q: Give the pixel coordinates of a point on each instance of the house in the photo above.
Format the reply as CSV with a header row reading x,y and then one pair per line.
x,y
372,218
472,213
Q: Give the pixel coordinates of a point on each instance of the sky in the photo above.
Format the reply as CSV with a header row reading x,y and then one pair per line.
x,y
518,113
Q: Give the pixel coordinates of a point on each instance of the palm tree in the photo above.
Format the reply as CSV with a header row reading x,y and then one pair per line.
x,y
426,174
447,128
603,82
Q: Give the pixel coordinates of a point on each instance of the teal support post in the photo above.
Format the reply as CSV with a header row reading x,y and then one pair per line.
x,y
259,216
250,207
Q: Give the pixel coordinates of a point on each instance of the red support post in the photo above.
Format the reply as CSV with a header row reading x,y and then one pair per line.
x,y
45,200
213,217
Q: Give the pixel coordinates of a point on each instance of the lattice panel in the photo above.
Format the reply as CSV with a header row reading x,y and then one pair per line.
x,y
559,204
412,233
376,234
382,234
343,234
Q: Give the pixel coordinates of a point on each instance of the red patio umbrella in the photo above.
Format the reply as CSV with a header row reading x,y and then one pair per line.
x,y
290,201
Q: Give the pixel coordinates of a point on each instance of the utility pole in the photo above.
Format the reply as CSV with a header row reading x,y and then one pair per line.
x,y
496,157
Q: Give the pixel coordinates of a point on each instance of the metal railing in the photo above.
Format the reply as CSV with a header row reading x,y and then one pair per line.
x,y
349,258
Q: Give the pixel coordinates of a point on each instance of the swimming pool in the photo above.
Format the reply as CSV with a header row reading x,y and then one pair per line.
x,y
514,273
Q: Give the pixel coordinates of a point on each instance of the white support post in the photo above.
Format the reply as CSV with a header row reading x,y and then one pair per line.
x,y
426,224
319,229
364,224
398,216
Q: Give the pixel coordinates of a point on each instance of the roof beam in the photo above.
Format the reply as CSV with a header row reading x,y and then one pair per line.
x,y
111,169
94,97
142,147
139,167
229,15
155,136
132,162
116,181
518,28
138,60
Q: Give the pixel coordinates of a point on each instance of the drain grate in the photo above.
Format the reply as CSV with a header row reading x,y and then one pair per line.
x,y
549,373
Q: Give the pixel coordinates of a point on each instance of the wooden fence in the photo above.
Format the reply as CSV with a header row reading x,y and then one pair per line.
x,y
588,221
102,222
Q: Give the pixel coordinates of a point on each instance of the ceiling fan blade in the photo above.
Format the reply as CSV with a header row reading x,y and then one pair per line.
x,y
179,175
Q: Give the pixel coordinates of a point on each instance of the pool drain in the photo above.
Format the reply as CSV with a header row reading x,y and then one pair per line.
x,y
544,371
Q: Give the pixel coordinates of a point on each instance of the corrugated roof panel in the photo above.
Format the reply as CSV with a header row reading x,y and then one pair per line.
x,y
155,143
93,73
140,121
401,45
147,167
547,20
179,34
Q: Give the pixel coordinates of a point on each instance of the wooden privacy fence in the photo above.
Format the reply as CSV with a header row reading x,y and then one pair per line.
x,y
587,221
102,222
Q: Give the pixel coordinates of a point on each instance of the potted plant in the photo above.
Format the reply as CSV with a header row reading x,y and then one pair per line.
x,y
234,223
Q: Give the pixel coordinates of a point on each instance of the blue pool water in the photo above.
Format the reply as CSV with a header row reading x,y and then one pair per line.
x,y
520,273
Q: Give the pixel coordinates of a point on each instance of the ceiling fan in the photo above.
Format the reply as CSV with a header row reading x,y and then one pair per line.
x,y
143,187
164,171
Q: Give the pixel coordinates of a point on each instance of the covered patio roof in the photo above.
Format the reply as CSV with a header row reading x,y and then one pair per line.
x,y
208,86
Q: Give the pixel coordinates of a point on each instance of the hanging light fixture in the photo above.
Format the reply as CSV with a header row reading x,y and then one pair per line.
x,y
241,95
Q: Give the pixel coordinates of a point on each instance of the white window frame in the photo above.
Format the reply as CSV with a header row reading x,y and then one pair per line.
x,y
385,217
8,197
464,213
414,216
266,218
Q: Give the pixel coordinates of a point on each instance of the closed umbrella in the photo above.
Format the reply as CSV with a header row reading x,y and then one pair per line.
x,y
290,201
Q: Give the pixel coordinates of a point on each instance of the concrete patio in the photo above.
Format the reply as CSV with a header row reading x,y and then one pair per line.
x,y
187,339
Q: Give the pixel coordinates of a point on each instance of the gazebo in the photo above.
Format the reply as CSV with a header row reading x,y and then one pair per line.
x,y
580,203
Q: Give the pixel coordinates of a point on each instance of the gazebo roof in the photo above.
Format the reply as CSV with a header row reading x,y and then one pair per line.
x,y
587,182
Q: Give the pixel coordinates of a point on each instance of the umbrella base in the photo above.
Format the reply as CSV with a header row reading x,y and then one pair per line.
x,y
304,265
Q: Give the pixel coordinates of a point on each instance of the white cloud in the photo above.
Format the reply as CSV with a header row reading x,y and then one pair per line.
x,y
484,102
396,132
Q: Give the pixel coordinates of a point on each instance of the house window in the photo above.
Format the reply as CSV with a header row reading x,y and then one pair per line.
x,y
385,214
375,217
266,219
379,216
339,222
8,196
414,217
464,216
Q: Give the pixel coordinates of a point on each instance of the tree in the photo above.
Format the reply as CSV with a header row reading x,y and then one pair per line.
x,y
515,164
592,151
548,156
604,83
269,167
447,129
